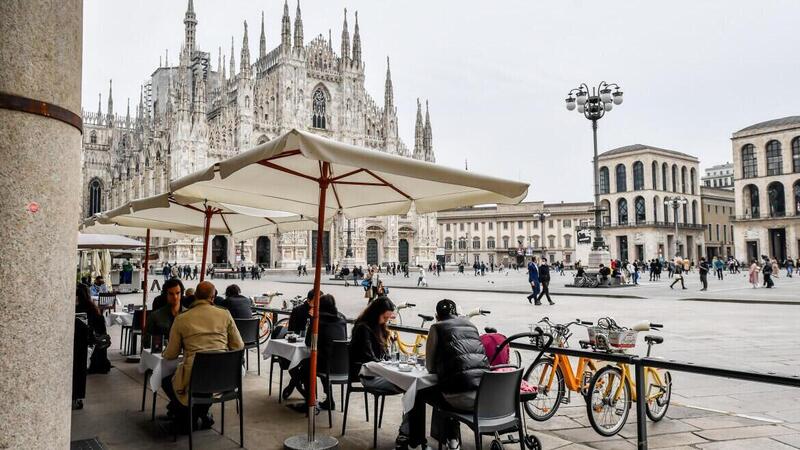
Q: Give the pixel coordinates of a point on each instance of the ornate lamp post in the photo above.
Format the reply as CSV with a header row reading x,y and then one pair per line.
x,y
594,106
675,202
543,214
348,253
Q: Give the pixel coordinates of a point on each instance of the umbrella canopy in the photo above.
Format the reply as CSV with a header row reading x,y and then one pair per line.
x,y
101,224
311,175
106,241
284,174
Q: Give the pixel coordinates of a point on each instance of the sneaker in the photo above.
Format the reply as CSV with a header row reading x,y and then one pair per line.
x,y
537,303
453,444
328,404
551,302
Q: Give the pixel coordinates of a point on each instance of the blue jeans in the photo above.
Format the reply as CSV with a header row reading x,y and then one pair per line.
x,y
535,287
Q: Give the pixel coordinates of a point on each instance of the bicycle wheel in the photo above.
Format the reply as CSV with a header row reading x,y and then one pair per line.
x,y
548,398
609,401
658,395
264,327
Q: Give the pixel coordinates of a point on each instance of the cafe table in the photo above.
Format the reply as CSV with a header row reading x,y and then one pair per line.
x,y
155,368
294,352
409,382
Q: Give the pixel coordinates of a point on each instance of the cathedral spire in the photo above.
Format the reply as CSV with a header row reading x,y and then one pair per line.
x,y
190,23
128,114
388,96
345,39
356,43
110,111
286,27
166,58
330,40
298,28
427,140
244,64
419,150
140,108
99,106
183,84
262,42
233,63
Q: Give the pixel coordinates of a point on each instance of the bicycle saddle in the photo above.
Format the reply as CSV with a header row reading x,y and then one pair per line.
x,y
425,317
650,339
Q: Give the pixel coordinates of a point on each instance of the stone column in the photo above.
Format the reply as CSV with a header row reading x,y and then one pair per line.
x,y
40,71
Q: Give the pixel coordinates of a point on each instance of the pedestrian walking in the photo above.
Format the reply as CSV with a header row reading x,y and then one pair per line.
x,y
704,273
421,279
789,264
678,264
752,274
544,280
767,272
533,279
719,266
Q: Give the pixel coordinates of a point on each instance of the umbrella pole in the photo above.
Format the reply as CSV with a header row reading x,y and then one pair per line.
x,y
311,441
205,244
146,268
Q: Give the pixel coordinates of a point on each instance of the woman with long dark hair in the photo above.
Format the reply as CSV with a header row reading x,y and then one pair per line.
x,y
98,363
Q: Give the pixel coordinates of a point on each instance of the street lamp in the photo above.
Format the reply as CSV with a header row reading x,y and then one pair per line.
x,y
594,106
675,203
541,216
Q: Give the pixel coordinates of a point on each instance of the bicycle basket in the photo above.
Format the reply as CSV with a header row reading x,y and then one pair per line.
x,y
559,337
622,339
262,300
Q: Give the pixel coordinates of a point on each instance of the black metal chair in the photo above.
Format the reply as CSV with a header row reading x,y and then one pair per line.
x,y
279,332
217,378
497,407
338,371
135,331
106,301
379,397
248,329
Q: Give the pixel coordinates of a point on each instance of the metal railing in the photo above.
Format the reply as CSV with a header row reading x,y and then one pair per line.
x,y
650,223
639,364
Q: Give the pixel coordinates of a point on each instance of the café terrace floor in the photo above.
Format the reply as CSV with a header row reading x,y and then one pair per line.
x,y
111,414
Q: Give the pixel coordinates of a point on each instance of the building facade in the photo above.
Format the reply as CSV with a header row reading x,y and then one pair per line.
x,y
718,209
637,225
766,158
719,176
191,115
505,234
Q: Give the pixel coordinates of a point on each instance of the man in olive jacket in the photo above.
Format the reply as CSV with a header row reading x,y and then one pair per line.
x,y
202,328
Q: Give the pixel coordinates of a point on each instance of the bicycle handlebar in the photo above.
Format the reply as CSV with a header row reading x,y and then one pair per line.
x,y
656,325
405,305
477,312
586,323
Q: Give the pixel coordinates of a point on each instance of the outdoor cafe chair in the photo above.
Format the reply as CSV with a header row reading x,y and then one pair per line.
x,y
337,372
279,332
497,408
135,332
107,301
379,397
217,378
249,330
125,330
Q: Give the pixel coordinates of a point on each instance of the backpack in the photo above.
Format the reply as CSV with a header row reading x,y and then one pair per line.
x,y
490,342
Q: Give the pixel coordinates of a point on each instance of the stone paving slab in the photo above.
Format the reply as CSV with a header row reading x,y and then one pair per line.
x,y
746,444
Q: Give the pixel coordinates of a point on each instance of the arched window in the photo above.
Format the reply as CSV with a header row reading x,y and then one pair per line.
x,y
622,211
777,201
694,212
683,179
505,241
749,162
621,176
674,178
552,241
655,209
774,158
567,241
318,109
490,243
604,184
95,197
751,201
664,176
638,176
639,209
605,212
462,243
476,243
796,190
666,213
685,214
654,175
448,243
692,180
93,137
796,154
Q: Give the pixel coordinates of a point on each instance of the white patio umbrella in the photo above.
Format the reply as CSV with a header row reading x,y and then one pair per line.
x,y
300,172
184,214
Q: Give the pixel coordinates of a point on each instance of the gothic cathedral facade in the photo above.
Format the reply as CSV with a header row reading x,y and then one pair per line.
x,y
190,116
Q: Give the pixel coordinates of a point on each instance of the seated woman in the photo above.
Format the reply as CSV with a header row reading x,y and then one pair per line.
x,y
370,342
99,362
332,327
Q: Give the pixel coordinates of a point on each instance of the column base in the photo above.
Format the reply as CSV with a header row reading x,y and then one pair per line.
x,y
597,257
301,442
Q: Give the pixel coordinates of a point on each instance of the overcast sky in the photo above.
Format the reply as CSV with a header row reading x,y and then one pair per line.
x,y
497,73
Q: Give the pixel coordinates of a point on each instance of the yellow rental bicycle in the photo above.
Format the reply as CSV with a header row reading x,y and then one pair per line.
x,y
613,388
417,348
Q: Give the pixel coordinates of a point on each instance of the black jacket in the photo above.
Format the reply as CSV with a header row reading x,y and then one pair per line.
x,y
544,272
331,328
365,346
238,305
298,317
460,359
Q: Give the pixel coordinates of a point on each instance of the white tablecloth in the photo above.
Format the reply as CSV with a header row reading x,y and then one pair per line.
x,y
410,382
295,352
122,318
161,367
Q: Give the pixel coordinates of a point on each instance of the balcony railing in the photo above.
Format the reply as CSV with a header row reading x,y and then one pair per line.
x,y
657,224
766,216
